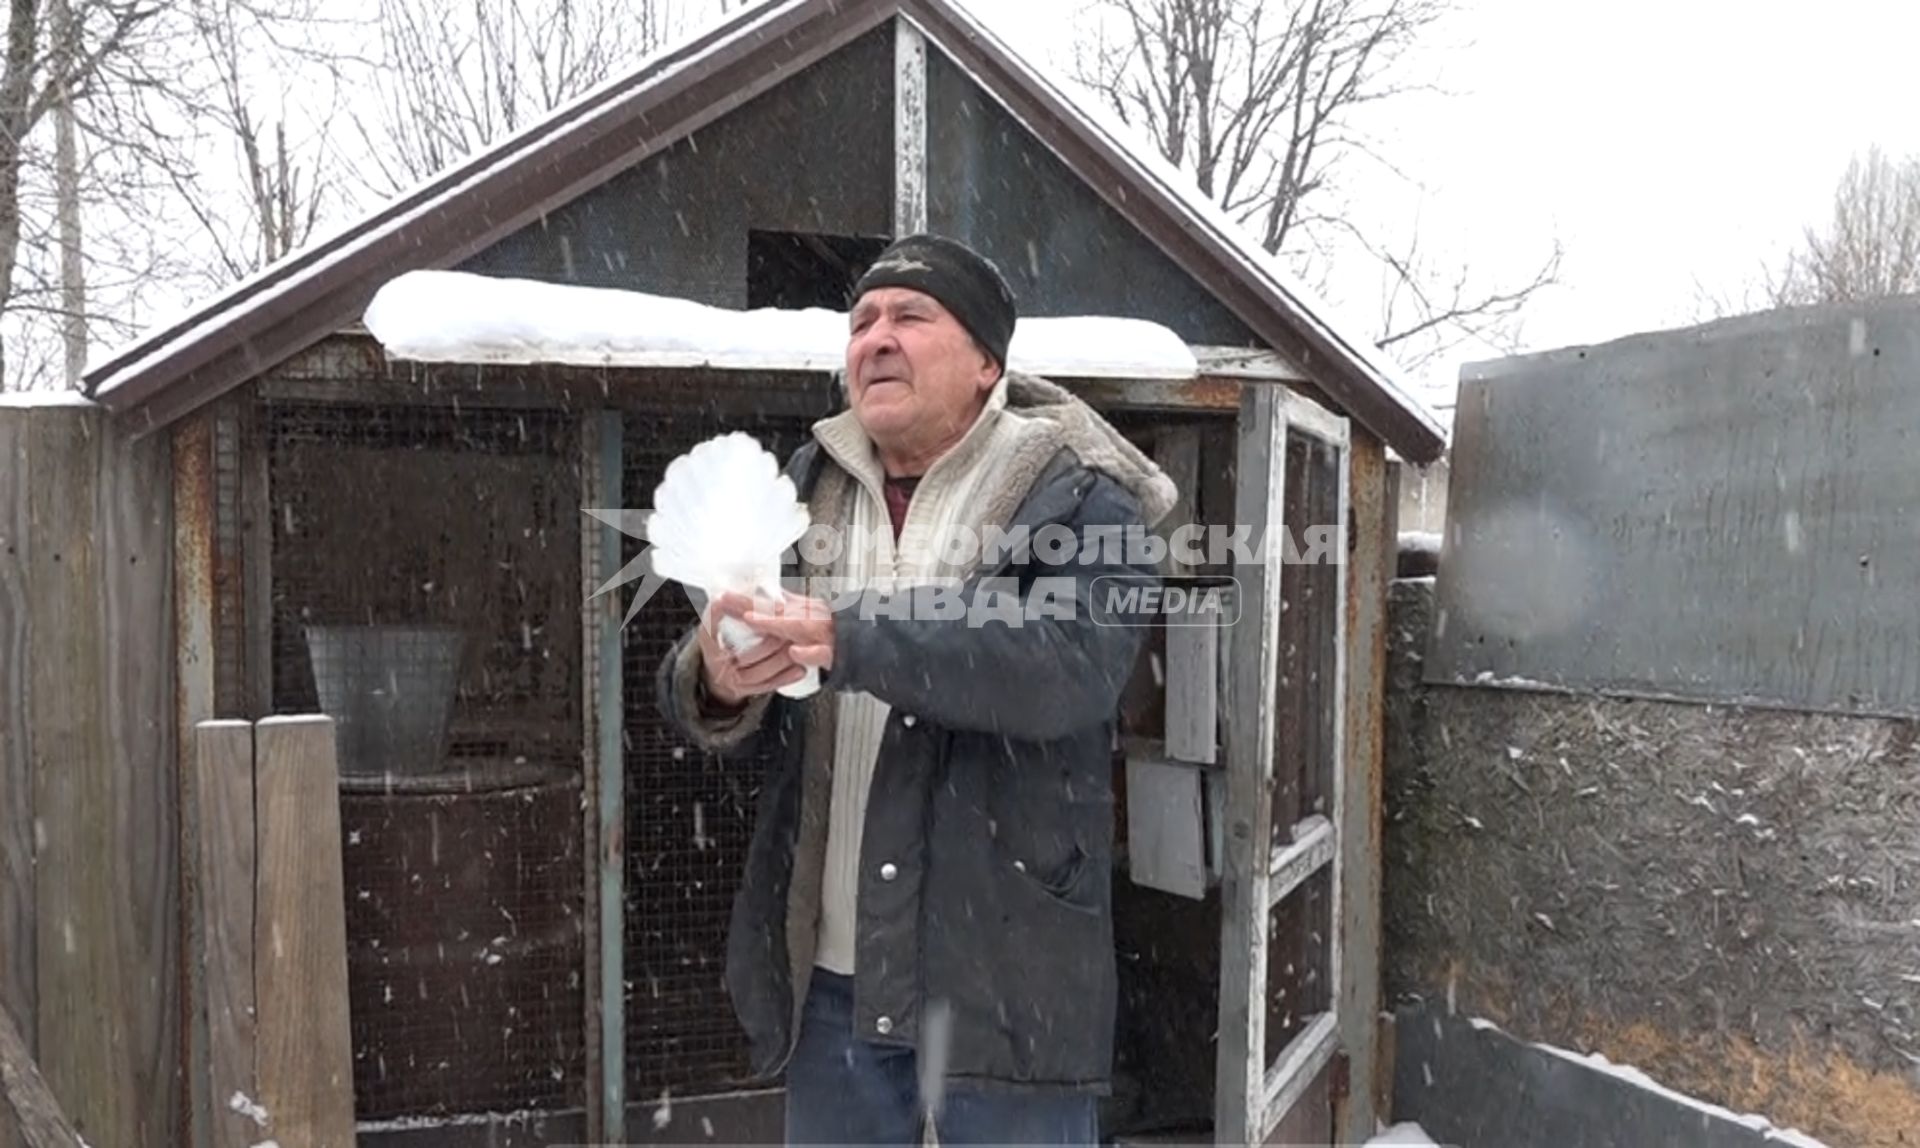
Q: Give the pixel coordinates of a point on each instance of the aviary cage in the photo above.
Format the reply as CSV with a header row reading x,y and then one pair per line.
x,y
413,558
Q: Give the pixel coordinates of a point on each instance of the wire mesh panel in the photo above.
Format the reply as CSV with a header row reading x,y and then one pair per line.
x,y
689,818
426,593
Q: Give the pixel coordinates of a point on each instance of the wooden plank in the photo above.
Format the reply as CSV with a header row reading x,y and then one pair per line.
x,y
18,987
303,1046
1259,364
609,729
1193,707
223,761
1192,652
81,866
137,666
1297,1067
1187,396
29,1113
1166,843
1369,574
1254,643
193,606
592,613
909,128
1309,417
1313,849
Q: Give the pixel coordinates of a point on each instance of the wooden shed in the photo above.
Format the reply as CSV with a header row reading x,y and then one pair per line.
x,y
258,508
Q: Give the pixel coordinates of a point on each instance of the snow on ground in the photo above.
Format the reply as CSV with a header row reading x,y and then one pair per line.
x,y
1403,1136
456,316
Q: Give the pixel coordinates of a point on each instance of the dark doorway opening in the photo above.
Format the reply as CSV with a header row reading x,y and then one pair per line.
x,y
795,269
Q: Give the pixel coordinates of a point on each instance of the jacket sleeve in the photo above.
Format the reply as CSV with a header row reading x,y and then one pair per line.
x,y
683,703
1037,675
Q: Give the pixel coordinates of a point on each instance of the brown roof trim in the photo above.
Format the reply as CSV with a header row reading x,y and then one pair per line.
x,y
312,294
1216,260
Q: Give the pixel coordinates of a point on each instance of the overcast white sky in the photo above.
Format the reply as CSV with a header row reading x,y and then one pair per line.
x,y
1671,145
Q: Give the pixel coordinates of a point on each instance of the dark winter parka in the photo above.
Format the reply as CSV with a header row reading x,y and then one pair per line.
x,y
987,853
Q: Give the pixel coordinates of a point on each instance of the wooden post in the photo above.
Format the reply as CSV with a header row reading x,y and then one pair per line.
x,y
909,128
605,780
1260,468
223,768
303,1043
193,592
1369,573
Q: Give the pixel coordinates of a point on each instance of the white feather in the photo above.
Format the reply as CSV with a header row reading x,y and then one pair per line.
x,y
722,516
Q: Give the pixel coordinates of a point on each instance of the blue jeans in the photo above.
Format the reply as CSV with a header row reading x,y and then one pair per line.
x,y
843,1090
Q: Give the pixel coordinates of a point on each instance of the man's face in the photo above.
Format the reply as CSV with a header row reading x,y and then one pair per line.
x,y
914,374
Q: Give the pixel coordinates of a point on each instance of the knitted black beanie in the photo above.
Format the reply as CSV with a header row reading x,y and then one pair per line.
x,y
964,282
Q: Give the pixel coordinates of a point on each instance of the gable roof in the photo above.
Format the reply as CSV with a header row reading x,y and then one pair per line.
x,y
287,307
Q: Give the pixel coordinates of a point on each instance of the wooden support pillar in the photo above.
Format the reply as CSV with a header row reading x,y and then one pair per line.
x,y
1260,469
604,826
909,128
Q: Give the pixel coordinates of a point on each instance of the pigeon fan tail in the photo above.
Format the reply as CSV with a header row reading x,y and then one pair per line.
x,y
723,515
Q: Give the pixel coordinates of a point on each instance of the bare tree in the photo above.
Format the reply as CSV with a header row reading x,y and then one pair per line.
x,y
283,187
1257,100
1871,248
54,59
455,75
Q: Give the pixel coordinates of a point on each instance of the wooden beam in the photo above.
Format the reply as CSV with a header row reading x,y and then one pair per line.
x,y
1241,1055
606,780
303,1044
193,610
1201,395
226,864
1369,572
136,527
909,128
29,1113
1296,1069
1254,364
82,868
19,988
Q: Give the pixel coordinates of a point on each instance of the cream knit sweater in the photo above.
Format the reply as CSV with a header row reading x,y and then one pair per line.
x,y
947,497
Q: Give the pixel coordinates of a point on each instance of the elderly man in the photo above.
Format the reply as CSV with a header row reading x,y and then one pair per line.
x,y
925,914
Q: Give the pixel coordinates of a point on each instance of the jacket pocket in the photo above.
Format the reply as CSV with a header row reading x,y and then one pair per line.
x,y
1071,885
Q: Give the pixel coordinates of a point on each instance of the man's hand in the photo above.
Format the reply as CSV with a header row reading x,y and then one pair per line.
x,y
805,624
733,678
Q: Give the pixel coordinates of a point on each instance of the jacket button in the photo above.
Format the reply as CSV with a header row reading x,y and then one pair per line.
x,y
884,1025
908,721
889,871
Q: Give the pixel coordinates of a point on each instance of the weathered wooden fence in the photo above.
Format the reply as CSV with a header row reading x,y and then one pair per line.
x,y
89,915
96,801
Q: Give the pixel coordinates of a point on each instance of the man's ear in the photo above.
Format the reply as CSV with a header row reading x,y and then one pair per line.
x,y
990,372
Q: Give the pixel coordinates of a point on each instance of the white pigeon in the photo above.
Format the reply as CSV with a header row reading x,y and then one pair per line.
x,y
722,516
